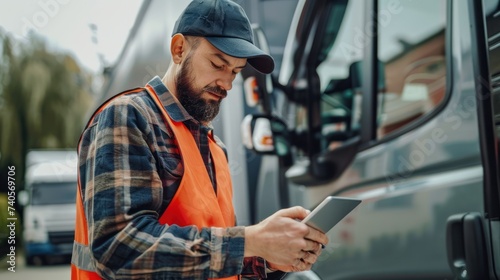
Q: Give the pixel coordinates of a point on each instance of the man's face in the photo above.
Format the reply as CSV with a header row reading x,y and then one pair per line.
x,y
204,78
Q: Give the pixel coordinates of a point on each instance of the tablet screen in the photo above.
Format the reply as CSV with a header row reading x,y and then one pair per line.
x,y
329,212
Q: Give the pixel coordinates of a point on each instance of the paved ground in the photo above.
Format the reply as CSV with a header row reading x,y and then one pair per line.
x,y
60,270
39,273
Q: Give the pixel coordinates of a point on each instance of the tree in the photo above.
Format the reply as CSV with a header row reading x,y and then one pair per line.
x,y
44,98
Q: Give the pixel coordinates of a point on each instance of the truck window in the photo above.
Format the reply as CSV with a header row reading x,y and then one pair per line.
x,y
412,49
53,193
412,65
341,50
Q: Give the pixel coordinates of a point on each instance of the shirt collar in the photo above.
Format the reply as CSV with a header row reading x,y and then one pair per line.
x,y
173,107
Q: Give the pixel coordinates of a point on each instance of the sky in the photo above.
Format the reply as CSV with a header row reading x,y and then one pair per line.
x,y
94,31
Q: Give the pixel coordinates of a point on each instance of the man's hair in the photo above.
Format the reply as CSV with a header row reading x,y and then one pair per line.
x,y
194,41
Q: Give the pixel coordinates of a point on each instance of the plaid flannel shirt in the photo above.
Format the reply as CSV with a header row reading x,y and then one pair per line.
x,y
130,169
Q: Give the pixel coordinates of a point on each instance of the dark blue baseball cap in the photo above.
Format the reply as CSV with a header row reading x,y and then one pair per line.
x,y
226,26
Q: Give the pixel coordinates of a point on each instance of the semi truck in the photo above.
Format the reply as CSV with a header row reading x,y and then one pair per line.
x,y
49,205
394,103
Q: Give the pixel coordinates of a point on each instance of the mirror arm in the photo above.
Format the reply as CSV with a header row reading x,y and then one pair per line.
x,y
264,95
298,96
326,166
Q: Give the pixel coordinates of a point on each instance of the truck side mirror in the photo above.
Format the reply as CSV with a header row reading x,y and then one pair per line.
x,y
345,96
266,135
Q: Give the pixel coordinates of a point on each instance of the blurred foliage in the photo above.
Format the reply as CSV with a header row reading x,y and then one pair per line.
x,y
44,99
4,230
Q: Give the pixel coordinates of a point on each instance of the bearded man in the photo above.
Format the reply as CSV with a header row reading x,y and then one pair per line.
x,y
154,197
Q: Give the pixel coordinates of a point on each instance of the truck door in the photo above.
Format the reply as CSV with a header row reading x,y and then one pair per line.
x,y
402,92
474,238
385,107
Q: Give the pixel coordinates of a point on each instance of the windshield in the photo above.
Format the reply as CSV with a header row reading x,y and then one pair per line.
x,y
53,193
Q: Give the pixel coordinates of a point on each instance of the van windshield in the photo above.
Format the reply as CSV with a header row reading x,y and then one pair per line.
x,y
53,193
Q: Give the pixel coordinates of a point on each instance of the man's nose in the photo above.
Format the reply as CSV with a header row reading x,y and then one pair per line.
x,y
226,82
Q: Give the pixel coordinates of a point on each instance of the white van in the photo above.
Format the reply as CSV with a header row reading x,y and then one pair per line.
x,y
49,201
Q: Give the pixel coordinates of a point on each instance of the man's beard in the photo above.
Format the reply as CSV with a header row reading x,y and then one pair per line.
x,y
200,109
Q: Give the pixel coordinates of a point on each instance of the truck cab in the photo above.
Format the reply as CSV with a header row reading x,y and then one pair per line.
x,y
49,205
394,103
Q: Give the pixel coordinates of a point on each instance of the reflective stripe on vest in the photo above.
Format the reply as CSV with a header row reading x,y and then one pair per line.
x,y
195,202
82,258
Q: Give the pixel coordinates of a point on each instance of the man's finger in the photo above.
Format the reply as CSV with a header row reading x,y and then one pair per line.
x,y
295,212
310,258
312,246
318,236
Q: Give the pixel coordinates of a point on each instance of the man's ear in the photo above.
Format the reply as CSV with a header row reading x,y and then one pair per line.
x,y
178,48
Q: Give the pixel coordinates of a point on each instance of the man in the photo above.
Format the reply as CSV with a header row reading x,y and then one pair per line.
x,y
155,194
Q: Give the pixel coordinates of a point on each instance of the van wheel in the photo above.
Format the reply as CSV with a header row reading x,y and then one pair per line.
x,y
34,261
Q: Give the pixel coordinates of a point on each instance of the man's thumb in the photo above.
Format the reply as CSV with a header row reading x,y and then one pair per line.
x,y
296,212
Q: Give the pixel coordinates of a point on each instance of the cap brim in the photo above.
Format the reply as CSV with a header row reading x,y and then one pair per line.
x,y
237,47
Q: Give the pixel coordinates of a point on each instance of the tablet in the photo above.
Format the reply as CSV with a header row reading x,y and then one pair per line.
x,y
329,212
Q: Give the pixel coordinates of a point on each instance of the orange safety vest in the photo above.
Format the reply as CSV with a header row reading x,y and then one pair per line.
x,y
195,202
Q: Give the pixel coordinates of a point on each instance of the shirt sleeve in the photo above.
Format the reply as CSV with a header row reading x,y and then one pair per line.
x,y
122,199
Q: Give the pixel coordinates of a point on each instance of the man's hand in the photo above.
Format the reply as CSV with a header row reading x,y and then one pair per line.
x,y
285,243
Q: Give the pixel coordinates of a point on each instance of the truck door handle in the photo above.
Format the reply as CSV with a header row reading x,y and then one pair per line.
x,y
466,246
